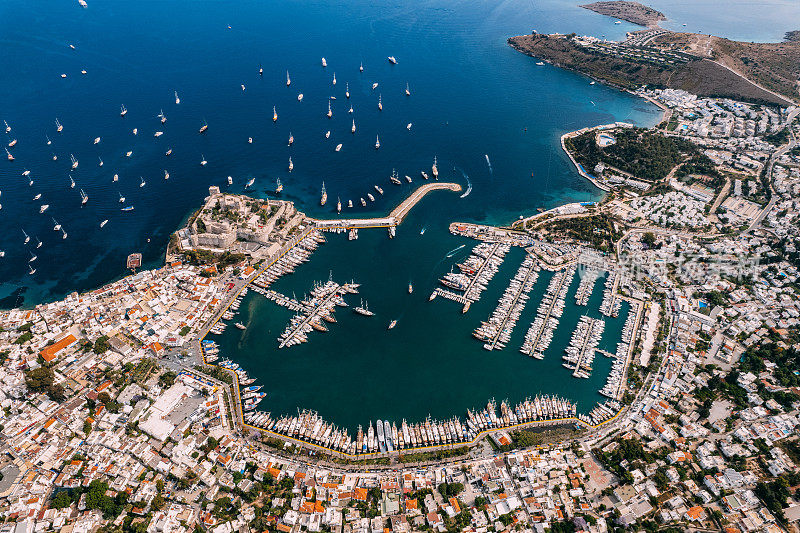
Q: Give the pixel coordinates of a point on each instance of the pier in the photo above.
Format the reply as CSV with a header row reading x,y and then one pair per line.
x,y
394,218
497,331
554,291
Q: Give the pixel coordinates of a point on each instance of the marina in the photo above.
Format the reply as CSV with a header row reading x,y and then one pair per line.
x,y
540,333
496,332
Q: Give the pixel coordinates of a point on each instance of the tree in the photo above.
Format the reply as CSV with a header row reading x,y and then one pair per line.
x,y
167,379
649,239
61,500
101,344
42,379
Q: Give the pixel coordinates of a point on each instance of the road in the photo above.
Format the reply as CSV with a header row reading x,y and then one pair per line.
x,y
768,172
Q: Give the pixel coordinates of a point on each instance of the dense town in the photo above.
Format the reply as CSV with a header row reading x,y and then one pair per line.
x,y
111,422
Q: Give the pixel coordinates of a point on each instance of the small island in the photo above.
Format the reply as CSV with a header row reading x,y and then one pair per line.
x,y
629,11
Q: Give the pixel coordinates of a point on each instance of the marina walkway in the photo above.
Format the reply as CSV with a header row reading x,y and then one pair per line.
x,y
395,217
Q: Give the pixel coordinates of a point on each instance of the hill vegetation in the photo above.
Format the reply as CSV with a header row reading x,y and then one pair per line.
x,y
775,66
631,11
646,154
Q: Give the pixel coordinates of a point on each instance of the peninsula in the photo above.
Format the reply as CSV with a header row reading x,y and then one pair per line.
x,y
659,58
629,11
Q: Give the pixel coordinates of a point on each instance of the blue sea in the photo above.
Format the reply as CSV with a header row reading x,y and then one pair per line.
x,y
472,97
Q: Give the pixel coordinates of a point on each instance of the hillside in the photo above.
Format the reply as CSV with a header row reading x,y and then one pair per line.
x,y
698,76
775,66
630,11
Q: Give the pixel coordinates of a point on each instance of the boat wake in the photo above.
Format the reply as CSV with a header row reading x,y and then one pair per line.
x,y
469,184
489,163
452,252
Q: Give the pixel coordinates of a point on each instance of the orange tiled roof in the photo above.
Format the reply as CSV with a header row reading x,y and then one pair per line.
x,y
51,352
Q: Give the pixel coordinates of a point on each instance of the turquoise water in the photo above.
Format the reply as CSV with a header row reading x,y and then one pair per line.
x,y
472,96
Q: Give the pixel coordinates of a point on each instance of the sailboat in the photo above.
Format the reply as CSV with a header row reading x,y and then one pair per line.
x,y
435,169
177,100
33,258
408,126
8,154
274,114
324,197
121,198
162,116
31,270
353,129
291,138
27,237
351,110
334,78
166,174
84,198
291,165
408,92
278,186
329,114
377,142
64,233
143,183
204,127
300,97
8,128
380,104
361,67
260,70
347,90
363,309
122,111
288,80
338,147
115,178
203,161
59,127
100,164
57,226
74,161
49,142
38,243
338,205
168,152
